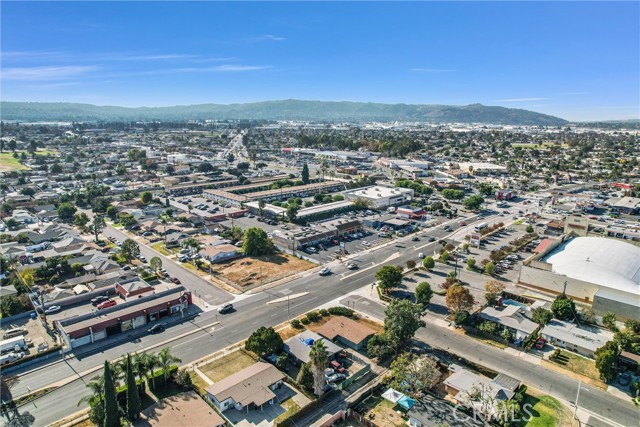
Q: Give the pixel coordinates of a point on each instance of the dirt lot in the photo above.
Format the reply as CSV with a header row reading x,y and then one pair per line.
x,y
249,271
35,332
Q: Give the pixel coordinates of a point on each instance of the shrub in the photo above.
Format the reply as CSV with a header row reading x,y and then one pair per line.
x,y
296,324
305,321
324,312
313,316
341,311
461,318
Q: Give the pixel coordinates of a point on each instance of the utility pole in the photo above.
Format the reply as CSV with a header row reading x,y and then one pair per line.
x,y
575,411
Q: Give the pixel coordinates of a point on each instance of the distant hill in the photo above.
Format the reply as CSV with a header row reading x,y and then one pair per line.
x,y
280,110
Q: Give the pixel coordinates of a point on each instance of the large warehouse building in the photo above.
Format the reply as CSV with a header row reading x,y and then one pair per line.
x,y
602,272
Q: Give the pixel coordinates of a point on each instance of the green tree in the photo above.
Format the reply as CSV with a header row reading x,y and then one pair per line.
x,y
444,257
256,242
424,294
428,263
80,219
411,264
111,410
305,377
402,319
112,212
541,316
261,206
264,341
121,169
292,212
97,226
146,197
130,249
380,346
134,405
388,277
413,374
95,400
529,228
471,264
452,194
66,211
609,320
305,174
459,299
10,305
166,360
607,360
155,263
473,203
319,358
489,268
563,307
126,219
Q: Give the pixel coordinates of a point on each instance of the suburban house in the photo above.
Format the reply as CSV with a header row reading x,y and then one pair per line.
x,y
183,410
512,318
462,384
574,338
433,412
299,346
347,332
250,388
219,253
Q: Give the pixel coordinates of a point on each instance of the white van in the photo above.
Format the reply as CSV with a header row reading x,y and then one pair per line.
x,y
391,209
10,333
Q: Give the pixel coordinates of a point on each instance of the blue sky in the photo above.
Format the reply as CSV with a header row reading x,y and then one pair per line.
x,y
576,60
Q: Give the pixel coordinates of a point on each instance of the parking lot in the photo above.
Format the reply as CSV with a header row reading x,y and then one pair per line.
x,y
36,336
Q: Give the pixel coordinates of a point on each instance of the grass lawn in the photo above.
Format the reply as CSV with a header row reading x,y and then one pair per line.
x,y
578,364
486,340
291,408
159,246
230,364
8,163
546,412
382,413
198,382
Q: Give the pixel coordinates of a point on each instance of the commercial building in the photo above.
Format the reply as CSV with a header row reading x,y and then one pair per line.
x,y
80,330
379,197
594,270
236,196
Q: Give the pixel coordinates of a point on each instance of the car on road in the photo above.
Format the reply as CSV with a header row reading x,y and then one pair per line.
x,y
352,266
99,299
415,239
432,239
53,309
225,308
106,304
175,280
420,255
156,329
325,271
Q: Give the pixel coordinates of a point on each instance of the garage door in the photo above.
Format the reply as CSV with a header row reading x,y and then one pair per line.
x,y
99,335
80,341
138,321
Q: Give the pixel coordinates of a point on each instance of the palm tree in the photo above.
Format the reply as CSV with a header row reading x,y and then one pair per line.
x,y
261,205
319,358
140,361
151,363
165,360
97,390
191,243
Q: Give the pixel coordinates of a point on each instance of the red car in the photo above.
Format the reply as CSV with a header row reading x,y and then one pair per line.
x,y
106,304
175,280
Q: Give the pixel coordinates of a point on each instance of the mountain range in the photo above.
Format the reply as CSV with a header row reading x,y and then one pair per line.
x,y
289,109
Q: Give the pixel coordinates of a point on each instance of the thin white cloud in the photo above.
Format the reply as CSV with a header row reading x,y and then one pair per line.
x,y
267,38
432,70
231,68
45,73
521,99
32,55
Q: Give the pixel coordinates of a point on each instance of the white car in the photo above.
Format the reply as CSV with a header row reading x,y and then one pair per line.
x,y
53,309
365,243
352,266
420,255
324,271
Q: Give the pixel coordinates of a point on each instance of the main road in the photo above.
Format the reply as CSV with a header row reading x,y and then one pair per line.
x,y
210,332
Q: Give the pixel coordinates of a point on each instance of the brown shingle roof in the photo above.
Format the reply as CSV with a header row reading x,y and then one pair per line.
x,y
346,328
250,385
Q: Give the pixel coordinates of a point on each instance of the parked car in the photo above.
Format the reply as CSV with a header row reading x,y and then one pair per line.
x,y
225,308
99,299
175,280
156,329
420,255
106,304
336,378
415,239
53,309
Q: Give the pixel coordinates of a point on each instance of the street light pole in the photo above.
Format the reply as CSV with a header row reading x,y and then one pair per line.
x,y
575,411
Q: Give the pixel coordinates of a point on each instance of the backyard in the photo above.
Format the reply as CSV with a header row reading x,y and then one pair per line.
x,y
578,364
251,270
381,412
227,365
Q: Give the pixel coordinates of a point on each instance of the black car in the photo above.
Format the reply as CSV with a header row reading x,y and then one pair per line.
x,y
98,300
225,308
156,329
415,239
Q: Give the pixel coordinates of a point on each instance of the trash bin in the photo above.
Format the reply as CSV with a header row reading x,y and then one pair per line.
x,y
33,315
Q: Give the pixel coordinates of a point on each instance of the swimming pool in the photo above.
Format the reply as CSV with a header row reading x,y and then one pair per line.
x,y
519,304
